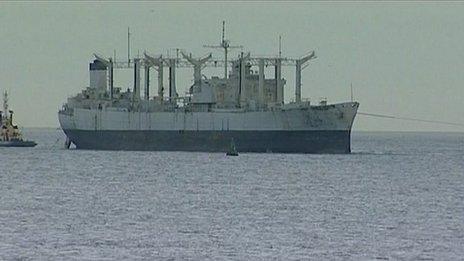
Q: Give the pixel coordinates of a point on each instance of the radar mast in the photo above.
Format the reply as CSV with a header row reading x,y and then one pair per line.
x,y
224,44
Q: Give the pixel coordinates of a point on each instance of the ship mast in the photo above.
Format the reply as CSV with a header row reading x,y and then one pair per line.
x,y
5,104
224,44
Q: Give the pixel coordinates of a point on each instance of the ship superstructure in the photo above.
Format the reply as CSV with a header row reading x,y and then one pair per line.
x,y
243,105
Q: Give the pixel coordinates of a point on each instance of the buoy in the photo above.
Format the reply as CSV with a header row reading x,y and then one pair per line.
x,y
232,150
67,143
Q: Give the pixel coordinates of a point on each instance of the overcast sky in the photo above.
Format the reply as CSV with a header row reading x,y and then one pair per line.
x,y
403,59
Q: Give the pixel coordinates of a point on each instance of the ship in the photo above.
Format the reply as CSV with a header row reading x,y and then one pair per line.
x,y
10,135
244,105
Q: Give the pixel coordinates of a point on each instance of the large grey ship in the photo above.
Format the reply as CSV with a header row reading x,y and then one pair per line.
x,y
244,106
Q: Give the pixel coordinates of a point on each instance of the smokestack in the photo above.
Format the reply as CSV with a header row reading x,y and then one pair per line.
x,y
98,75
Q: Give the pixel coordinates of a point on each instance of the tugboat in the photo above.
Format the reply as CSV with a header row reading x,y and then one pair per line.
x,y
10,136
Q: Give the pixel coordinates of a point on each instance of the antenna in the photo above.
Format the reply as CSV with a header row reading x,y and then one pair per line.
x,y
351,92
280,46
128,47
223,31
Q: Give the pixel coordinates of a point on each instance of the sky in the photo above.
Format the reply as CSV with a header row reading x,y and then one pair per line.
x,y
404,59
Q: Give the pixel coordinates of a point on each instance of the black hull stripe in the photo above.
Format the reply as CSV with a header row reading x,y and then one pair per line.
x,y
214,141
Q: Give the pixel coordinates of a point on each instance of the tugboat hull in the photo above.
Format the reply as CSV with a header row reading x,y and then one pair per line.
x,y
17,144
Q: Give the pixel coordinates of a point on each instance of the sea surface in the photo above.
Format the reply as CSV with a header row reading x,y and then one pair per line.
x,y
398,196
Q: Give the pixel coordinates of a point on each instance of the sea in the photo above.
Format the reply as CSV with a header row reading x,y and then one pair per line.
x,y
398,196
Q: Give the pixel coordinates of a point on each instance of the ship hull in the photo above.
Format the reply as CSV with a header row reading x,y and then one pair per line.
x,y
315,129
214,141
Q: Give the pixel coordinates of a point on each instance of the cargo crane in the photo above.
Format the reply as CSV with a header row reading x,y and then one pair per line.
x,y
186,61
